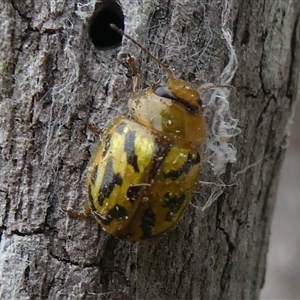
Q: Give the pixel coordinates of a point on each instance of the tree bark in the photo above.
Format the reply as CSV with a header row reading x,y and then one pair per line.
x,y
54,82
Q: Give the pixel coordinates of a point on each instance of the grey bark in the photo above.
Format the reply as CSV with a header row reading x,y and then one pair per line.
x,y
54,82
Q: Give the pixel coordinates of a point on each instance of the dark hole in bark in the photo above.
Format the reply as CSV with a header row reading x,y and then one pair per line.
x,y
100,33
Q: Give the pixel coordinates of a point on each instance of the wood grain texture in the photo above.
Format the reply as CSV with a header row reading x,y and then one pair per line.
x,y
54,82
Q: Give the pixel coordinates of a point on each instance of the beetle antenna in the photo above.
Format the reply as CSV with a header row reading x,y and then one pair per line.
x,y
205,88
121,32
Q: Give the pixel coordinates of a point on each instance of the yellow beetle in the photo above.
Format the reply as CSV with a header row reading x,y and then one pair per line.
x,y
143,172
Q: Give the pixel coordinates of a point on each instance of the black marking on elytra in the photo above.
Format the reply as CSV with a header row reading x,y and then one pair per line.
x,y
163,91
161,151
118,212
106,143
109,181
133,193
185,168
130,138
173,204
94,175
120,128
147,223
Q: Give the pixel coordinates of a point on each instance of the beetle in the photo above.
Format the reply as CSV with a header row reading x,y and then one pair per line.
x,y
143,172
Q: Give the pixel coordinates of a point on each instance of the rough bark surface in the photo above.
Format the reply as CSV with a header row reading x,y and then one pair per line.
x,y
54,82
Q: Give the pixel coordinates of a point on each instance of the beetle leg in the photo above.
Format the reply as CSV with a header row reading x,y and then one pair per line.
x,y
136,75
83,215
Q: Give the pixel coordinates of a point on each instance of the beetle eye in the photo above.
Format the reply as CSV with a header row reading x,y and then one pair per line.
x,y
162,91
